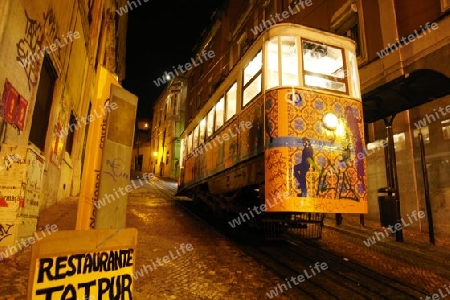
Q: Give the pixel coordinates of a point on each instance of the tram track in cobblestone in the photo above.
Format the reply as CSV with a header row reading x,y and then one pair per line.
x,y
358,274
343,279
357,277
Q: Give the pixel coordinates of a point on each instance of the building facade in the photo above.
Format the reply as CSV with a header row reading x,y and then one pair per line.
x,y
167,126
51,52
403,60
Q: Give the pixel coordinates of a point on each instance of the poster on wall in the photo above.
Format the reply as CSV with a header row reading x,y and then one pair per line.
x,y
14,106
9,99
21,175
84,264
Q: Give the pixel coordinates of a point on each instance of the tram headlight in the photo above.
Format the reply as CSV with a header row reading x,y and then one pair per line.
x,y
330,121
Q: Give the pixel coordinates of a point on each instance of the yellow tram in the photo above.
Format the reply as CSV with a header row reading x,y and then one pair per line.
x,y
283,132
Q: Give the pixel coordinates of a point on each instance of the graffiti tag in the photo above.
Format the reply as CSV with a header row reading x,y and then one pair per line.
x,y
4,233
116,167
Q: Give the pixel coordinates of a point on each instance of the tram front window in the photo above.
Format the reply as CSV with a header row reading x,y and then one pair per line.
x,y
323,66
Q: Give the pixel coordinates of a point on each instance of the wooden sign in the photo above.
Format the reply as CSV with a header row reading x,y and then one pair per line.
x,y
83,264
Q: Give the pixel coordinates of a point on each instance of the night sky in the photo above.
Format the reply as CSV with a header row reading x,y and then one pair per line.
x,y
161,35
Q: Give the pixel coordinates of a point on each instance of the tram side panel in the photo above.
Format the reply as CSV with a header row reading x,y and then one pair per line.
x,y
188,170
241,141
251,122
309,168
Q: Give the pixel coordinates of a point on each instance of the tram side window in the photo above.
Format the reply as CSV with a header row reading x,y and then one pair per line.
x,y
195,137
252,79
231,97
189,143
220,112
202,129
210,123
324,67
353,74
272,74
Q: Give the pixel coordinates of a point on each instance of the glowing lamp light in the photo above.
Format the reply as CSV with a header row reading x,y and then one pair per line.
x,y
330,121
155,154
168,77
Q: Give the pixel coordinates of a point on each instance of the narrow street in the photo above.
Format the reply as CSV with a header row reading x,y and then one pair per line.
x,y
256,150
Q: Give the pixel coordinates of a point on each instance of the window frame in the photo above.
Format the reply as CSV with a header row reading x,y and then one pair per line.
x,y
324,76
215,114
252,79
227,118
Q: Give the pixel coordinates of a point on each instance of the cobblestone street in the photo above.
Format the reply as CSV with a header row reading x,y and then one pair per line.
x,y
213,269
181,257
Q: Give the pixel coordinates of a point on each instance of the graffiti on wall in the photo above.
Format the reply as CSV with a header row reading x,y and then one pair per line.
x,y
116,169
5,231
32,41
9,160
